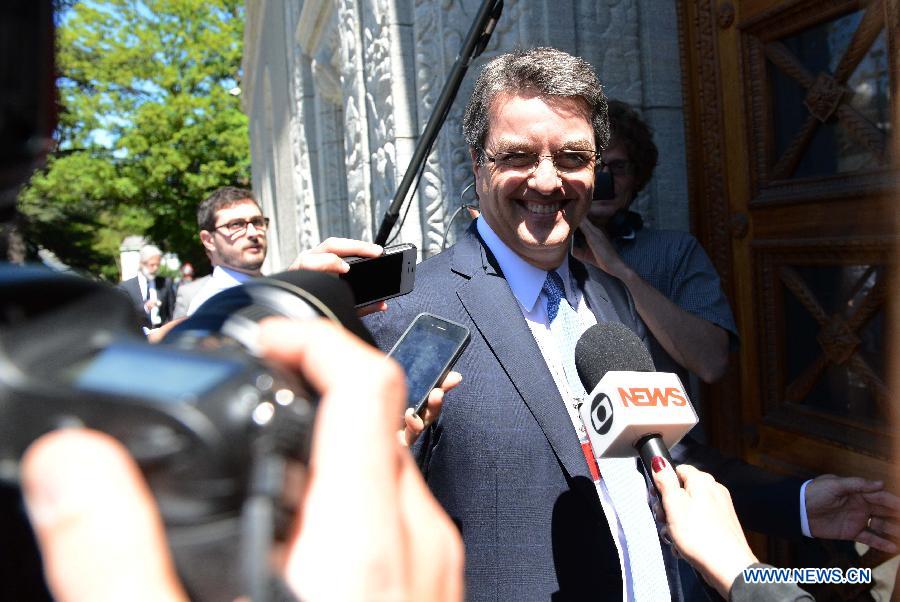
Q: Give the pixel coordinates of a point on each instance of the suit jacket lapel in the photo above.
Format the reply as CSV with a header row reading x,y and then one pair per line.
x,y
496,314
594,292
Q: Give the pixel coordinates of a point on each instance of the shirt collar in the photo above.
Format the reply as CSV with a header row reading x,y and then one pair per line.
x,y
224,272
525,280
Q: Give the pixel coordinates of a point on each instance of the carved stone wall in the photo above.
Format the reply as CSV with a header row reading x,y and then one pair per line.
x,y
352,83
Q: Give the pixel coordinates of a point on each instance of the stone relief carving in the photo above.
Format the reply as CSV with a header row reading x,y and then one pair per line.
x,y
356,143
301,173
430,75
326,122
376,17
448,170
333,203
612,46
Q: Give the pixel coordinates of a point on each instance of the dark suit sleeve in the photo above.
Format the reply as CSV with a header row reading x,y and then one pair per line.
x,y
126,289
618,295
764,501
132,292
638,327
167,308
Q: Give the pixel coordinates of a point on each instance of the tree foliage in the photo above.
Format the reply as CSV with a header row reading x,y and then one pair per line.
x,y
148,127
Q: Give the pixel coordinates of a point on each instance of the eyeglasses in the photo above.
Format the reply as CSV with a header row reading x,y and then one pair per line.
x,y
618,167
565,161
239,226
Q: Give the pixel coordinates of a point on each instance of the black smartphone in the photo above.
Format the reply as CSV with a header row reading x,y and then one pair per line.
x,y
391,274
427,351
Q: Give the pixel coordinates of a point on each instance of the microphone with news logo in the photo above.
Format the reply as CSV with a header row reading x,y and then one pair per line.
x,y
630,407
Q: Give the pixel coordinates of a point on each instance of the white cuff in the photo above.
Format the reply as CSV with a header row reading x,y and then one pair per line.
x,y
804,519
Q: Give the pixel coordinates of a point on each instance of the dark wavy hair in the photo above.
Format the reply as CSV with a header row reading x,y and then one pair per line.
x,y
551,72
628,129
221,198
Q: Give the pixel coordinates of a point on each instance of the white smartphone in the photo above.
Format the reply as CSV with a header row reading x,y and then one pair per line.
x,y
391,274
427,350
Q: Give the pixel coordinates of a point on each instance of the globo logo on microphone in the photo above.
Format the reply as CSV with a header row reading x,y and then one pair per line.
x,y
601,413
627,406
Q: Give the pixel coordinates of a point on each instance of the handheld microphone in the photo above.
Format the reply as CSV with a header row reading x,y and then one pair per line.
x,y
630,407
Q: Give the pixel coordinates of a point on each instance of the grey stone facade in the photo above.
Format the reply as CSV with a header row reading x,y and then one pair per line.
x,y
338,90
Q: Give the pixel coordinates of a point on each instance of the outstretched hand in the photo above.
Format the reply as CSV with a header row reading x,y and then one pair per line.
x,y
385,508
701,522
855,509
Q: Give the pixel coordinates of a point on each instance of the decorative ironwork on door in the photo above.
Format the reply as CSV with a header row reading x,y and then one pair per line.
x,y
820,94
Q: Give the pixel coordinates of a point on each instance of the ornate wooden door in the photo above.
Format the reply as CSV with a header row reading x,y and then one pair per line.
x,y
789,124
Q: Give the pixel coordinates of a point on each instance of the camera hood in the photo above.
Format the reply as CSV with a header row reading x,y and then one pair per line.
x,y
296,294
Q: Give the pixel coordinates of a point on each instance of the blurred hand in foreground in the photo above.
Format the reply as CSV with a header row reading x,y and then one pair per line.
x,y
102,538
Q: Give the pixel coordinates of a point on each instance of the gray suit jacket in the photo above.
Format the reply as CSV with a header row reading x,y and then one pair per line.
x,y
504,459
185,293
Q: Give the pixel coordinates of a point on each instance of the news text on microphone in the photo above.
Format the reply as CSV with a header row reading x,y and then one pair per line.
x,y
807,575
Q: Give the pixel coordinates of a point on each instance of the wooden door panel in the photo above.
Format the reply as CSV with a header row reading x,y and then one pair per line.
x,y
782,450
819,100
818,126
802,97
826,217
822,307
789,110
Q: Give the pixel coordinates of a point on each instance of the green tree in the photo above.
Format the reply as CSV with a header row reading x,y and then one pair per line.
x,y
149,126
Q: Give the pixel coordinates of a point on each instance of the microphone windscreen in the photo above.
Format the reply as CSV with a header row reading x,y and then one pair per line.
x,y
609,346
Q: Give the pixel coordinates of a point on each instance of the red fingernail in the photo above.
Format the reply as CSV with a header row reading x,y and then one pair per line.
x,y
658,463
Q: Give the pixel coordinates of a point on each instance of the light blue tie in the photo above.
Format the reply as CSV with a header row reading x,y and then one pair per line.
x,y
626,486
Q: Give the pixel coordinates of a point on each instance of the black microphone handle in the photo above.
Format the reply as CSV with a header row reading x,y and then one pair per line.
x,y
650,446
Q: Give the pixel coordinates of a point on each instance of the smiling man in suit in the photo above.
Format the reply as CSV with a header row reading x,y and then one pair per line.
x,y
507,457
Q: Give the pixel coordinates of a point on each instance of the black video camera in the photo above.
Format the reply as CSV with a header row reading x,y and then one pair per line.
x,y
208,422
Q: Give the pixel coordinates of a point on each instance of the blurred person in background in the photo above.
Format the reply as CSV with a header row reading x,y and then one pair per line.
x,y
152,295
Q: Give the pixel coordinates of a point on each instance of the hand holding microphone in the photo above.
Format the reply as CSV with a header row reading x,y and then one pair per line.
x,y
630,409
701,521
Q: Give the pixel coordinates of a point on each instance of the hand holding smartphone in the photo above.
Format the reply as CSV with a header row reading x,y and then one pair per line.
x,y
374,279
427,351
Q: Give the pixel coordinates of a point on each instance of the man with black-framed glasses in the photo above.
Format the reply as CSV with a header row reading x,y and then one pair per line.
x,y
233,231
